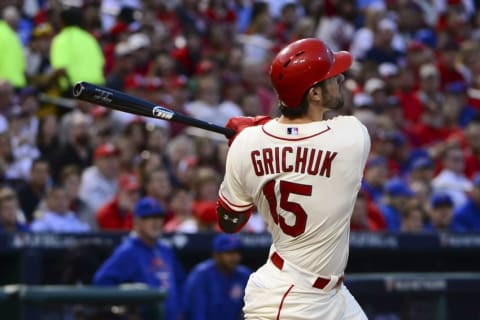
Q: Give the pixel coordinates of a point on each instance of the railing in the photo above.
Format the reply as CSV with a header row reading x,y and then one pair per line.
x,y
401,276
24,302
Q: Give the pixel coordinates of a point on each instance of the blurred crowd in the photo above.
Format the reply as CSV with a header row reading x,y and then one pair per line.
x,y
70,166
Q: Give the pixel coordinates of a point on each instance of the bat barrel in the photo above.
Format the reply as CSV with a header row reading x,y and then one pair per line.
x,y
118,100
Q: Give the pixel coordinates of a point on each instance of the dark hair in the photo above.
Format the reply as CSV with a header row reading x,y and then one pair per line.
x,y
302,109
39,160
71,16
295,113
69,170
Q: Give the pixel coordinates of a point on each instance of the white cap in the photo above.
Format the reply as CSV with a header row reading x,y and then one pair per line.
x,y
72,3
387,24
362,99
122,49
427,70
372,85
387,69
138,40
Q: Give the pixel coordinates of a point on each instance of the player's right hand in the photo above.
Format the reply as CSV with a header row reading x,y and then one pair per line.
x,y
239,123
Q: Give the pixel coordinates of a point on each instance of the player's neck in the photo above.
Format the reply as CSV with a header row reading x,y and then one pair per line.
x,y
311,116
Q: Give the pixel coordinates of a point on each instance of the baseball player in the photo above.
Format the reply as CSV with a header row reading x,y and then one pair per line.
x,y
214,289
302,173
142,258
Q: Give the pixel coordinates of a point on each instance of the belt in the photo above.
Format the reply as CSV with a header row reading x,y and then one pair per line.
x,y
319,283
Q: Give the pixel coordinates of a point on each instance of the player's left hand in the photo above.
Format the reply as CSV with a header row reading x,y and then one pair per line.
x,y
239,123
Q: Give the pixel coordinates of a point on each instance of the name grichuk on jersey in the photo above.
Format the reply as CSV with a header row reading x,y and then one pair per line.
x,y
298,177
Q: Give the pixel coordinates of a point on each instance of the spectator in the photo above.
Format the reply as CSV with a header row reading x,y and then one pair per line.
x,y
285,24
157,140
57,217
99,181
389,74
39,71
257,42
457,113
158,185
7,96
428,94
366,216
24,124
186,171
105,127
177,96
13,171
376,89
127,153
232,92
34,190
117,214
139,44
47,140
123,65
136,133
412,218
448,54
142,258
337,30
76,51
383,48
304,28
11,217
205,105
12,58
77,149
375,176
441,213
397,193
70,181
181,147
472,147
362,39
214,289
181,204
467,217
473,92
250,105
206,184
422,170
451,179
206,215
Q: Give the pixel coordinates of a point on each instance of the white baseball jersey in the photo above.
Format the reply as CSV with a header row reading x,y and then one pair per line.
x,y
303,179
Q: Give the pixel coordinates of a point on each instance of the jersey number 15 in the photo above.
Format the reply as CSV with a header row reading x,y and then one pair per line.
x,y
287,188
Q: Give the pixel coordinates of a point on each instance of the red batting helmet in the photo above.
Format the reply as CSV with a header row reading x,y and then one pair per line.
x,y
302,64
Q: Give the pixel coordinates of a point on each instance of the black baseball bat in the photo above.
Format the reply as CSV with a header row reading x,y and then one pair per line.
x,y
121,101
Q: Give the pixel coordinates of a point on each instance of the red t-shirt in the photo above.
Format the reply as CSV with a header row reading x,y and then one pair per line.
x,y
111,217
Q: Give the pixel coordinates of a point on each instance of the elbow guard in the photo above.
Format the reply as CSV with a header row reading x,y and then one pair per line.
x,y
231,221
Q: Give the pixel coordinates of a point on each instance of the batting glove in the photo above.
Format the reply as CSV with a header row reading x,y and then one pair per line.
x,y
237,124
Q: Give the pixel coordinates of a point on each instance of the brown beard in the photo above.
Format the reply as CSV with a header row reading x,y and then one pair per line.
x,y
331,102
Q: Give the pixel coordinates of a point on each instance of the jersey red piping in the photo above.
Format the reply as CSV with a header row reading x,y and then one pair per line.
x,y
283,299
294,139
230,205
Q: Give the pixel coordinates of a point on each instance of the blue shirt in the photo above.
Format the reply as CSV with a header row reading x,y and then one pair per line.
x,y
19,227
392,216
430,228
213,295
136,262
467,218
375,192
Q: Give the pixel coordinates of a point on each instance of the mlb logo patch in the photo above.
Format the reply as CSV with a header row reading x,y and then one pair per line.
x,y
292,131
